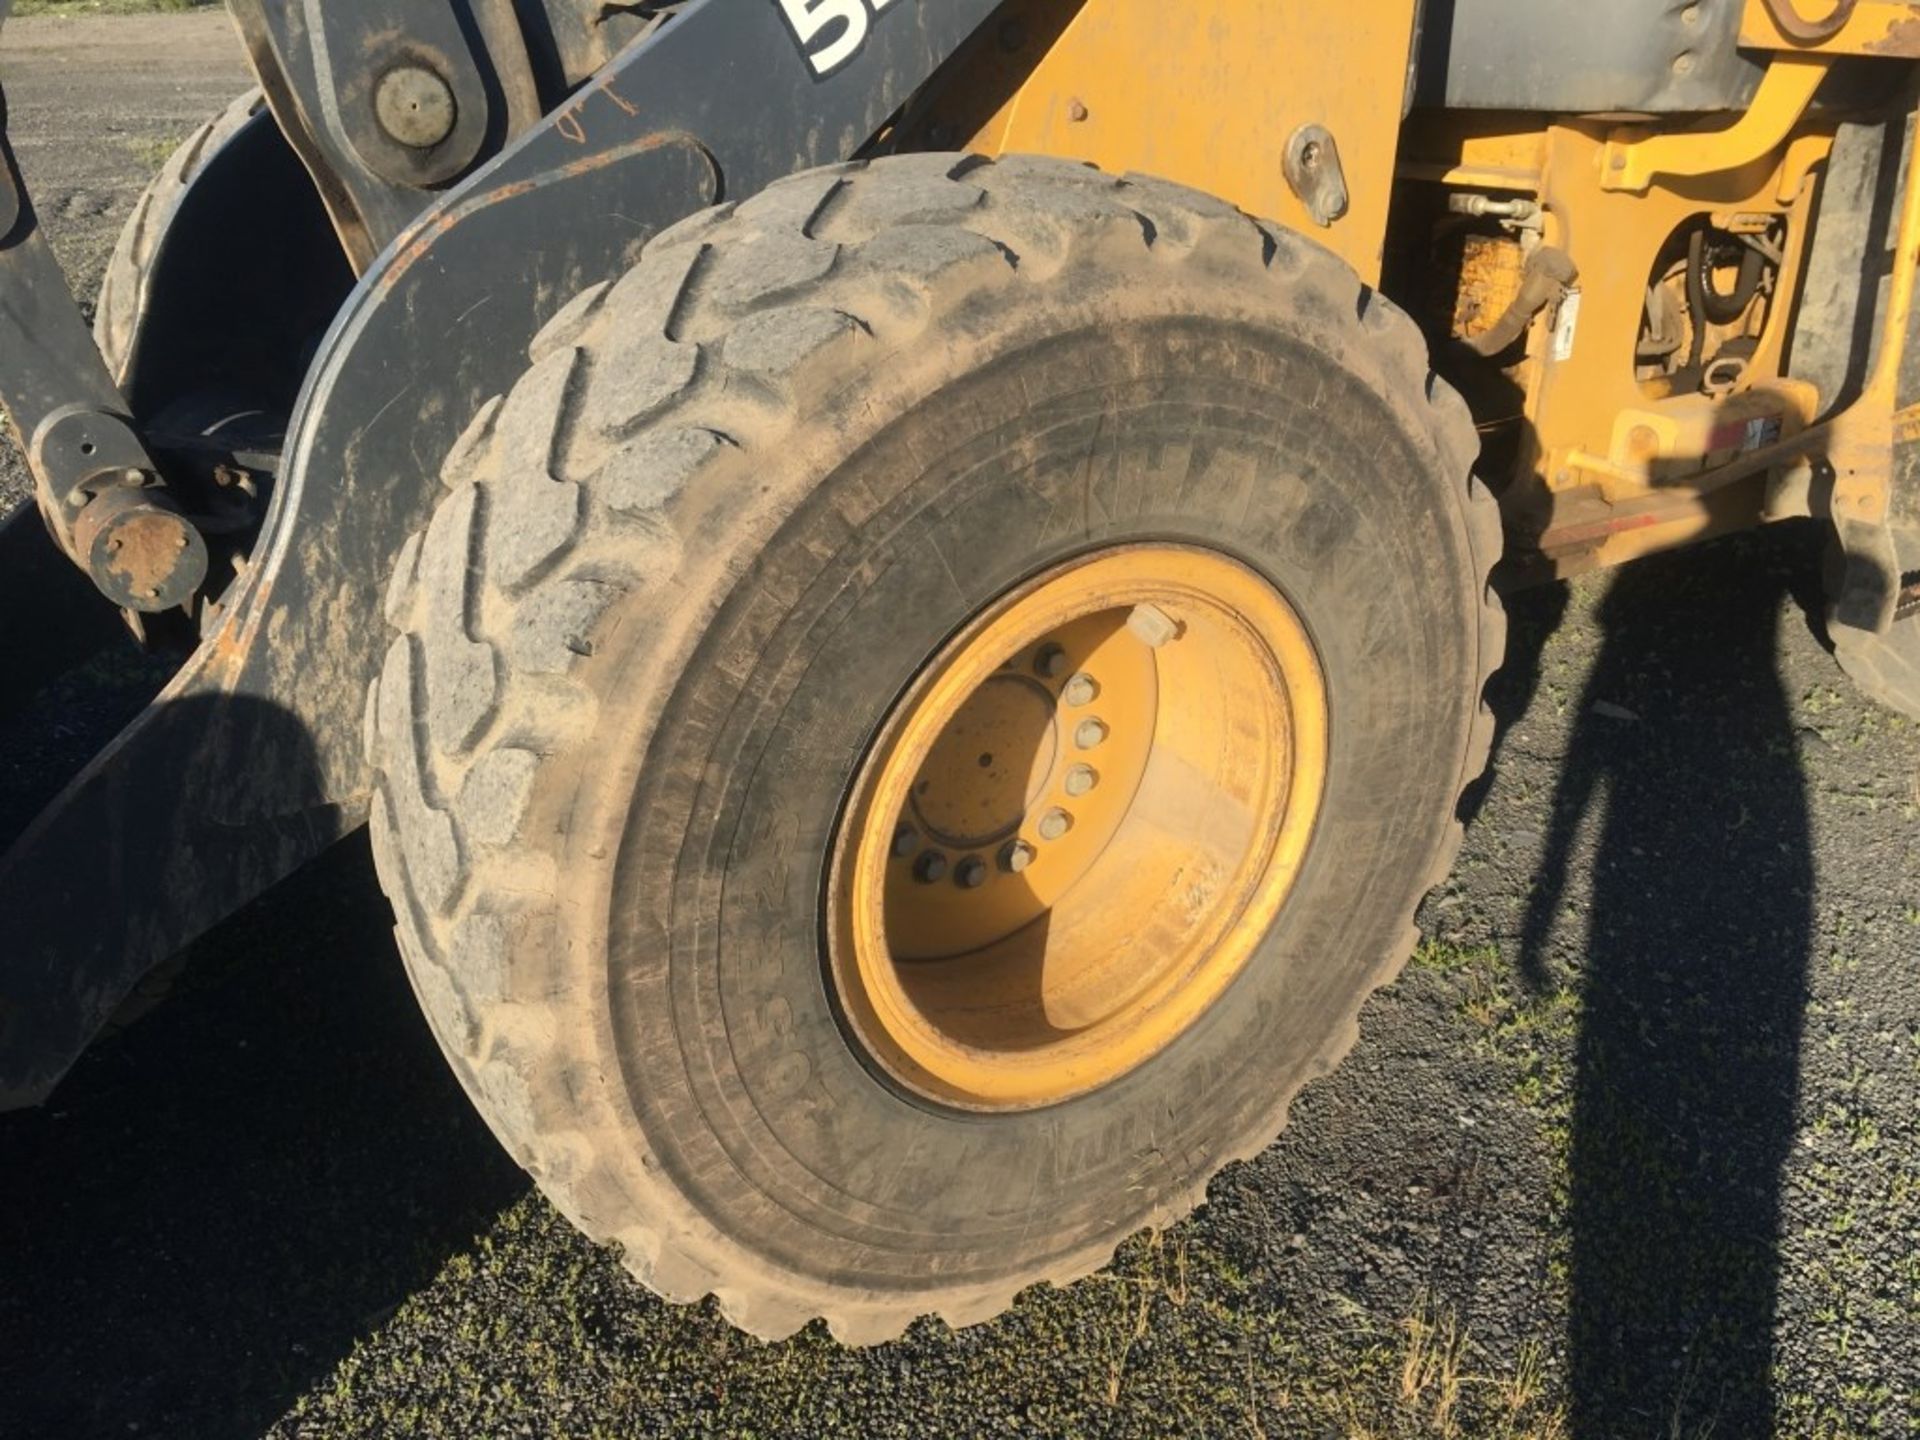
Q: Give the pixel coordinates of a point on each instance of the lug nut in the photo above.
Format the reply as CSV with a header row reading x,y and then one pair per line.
x,y
1152,625
905,841
1089,733
1015,856
971,873
1081,779
931,866
1054,824
1050,662
1080,690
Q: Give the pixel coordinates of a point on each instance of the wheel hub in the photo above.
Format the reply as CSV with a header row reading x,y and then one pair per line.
x,y
1076,826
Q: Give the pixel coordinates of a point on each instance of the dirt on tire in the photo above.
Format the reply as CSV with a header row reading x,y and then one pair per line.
x,y
570,599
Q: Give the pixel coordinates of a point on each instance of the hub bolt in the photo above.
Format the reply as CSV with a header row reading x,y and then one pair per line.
x,y
1054,824
1089,733
1081,779
931,866
905,841
1050,662
1152,625
1080,690
1015,856
971,873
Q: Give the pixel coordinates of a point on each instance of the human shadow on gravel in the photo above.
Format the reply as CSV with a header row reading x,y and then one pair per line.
x,y
221,1199
1683,776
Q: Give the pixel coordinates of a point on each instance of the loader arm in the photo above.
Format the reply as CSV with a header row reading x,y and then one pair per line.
x,y
249,762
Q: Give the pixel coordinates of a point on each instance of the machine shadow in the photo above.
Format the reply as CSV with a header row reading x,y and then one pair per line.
x,y
221,1198
1681,793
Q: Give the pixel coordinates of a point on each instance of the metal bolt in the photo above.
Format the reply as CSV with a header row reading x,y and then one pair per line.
x,y
114,544
1089,733
905,840
1310,154
415,106
1076,111
1152,625
1690,16
1081,779
931,866
972,873
1050,662
1054,824
1080,690
1015,856
1683,64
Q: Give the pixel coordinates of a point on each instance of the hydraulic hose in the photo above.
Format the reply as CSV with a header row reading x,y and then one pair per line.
x,y
1706,304
1549,272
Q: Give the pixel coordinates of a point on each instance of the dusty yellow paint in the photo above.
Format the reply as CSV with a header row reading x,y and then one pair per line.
x,y
1606,469
1632,163
1207,93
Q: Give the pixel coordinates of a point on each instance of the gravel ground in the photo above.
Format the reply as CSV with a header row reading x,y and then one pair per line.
x,y
1633,1150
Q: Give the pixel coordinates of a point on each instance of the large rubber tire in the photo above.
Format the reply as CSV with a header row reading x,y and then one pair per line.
x,y
123,288
688,563
1885,666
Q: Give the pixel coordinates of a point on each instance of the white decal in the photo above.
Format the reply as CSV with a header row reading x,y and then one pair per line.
x,y
1565,324
838,27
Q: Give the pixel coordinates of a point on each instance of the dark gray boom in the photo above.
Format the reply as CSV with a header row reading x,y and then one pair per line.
x,y
427,183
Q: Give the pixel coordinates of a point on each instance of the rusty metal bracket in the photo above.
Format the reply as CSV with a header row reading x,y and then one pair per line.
x,y
1632,162
99,488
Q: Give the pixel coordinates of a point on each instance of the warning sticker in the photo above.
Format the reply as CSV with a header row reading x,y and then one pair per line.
x,y
1564,325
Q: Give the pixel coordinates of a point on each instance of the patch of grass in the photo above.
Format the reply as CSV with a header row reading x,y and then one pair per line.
x,y
152,152
110,7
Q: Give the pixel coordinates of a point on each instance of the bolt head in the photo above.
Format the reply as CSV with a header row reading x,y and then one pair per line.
x,y
1089,733
1081,779
1152,626
1077,111
1050,662
1015,856
931,866
415,106
1054,824
1080,690
905,841
971,873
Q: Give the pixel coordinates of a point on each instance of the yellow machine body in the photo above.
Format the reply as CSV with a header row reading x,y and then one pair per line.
x,y
1595,461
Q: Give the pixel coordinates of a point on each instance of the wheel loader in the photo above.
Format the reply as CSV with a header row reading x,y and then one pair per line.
x,y
906,585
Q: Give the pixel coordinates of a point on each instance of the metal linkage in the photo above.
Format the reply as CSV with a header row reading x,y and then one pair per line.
x,y
99,489
386,100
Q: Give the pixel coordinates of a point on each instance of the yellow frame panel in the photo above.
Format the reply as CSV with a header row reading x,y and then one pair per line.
x,y
1207,93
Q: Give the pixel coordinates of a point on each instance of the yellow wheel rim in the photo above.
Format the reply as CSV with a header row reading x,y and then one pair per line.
x,y
1076,826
